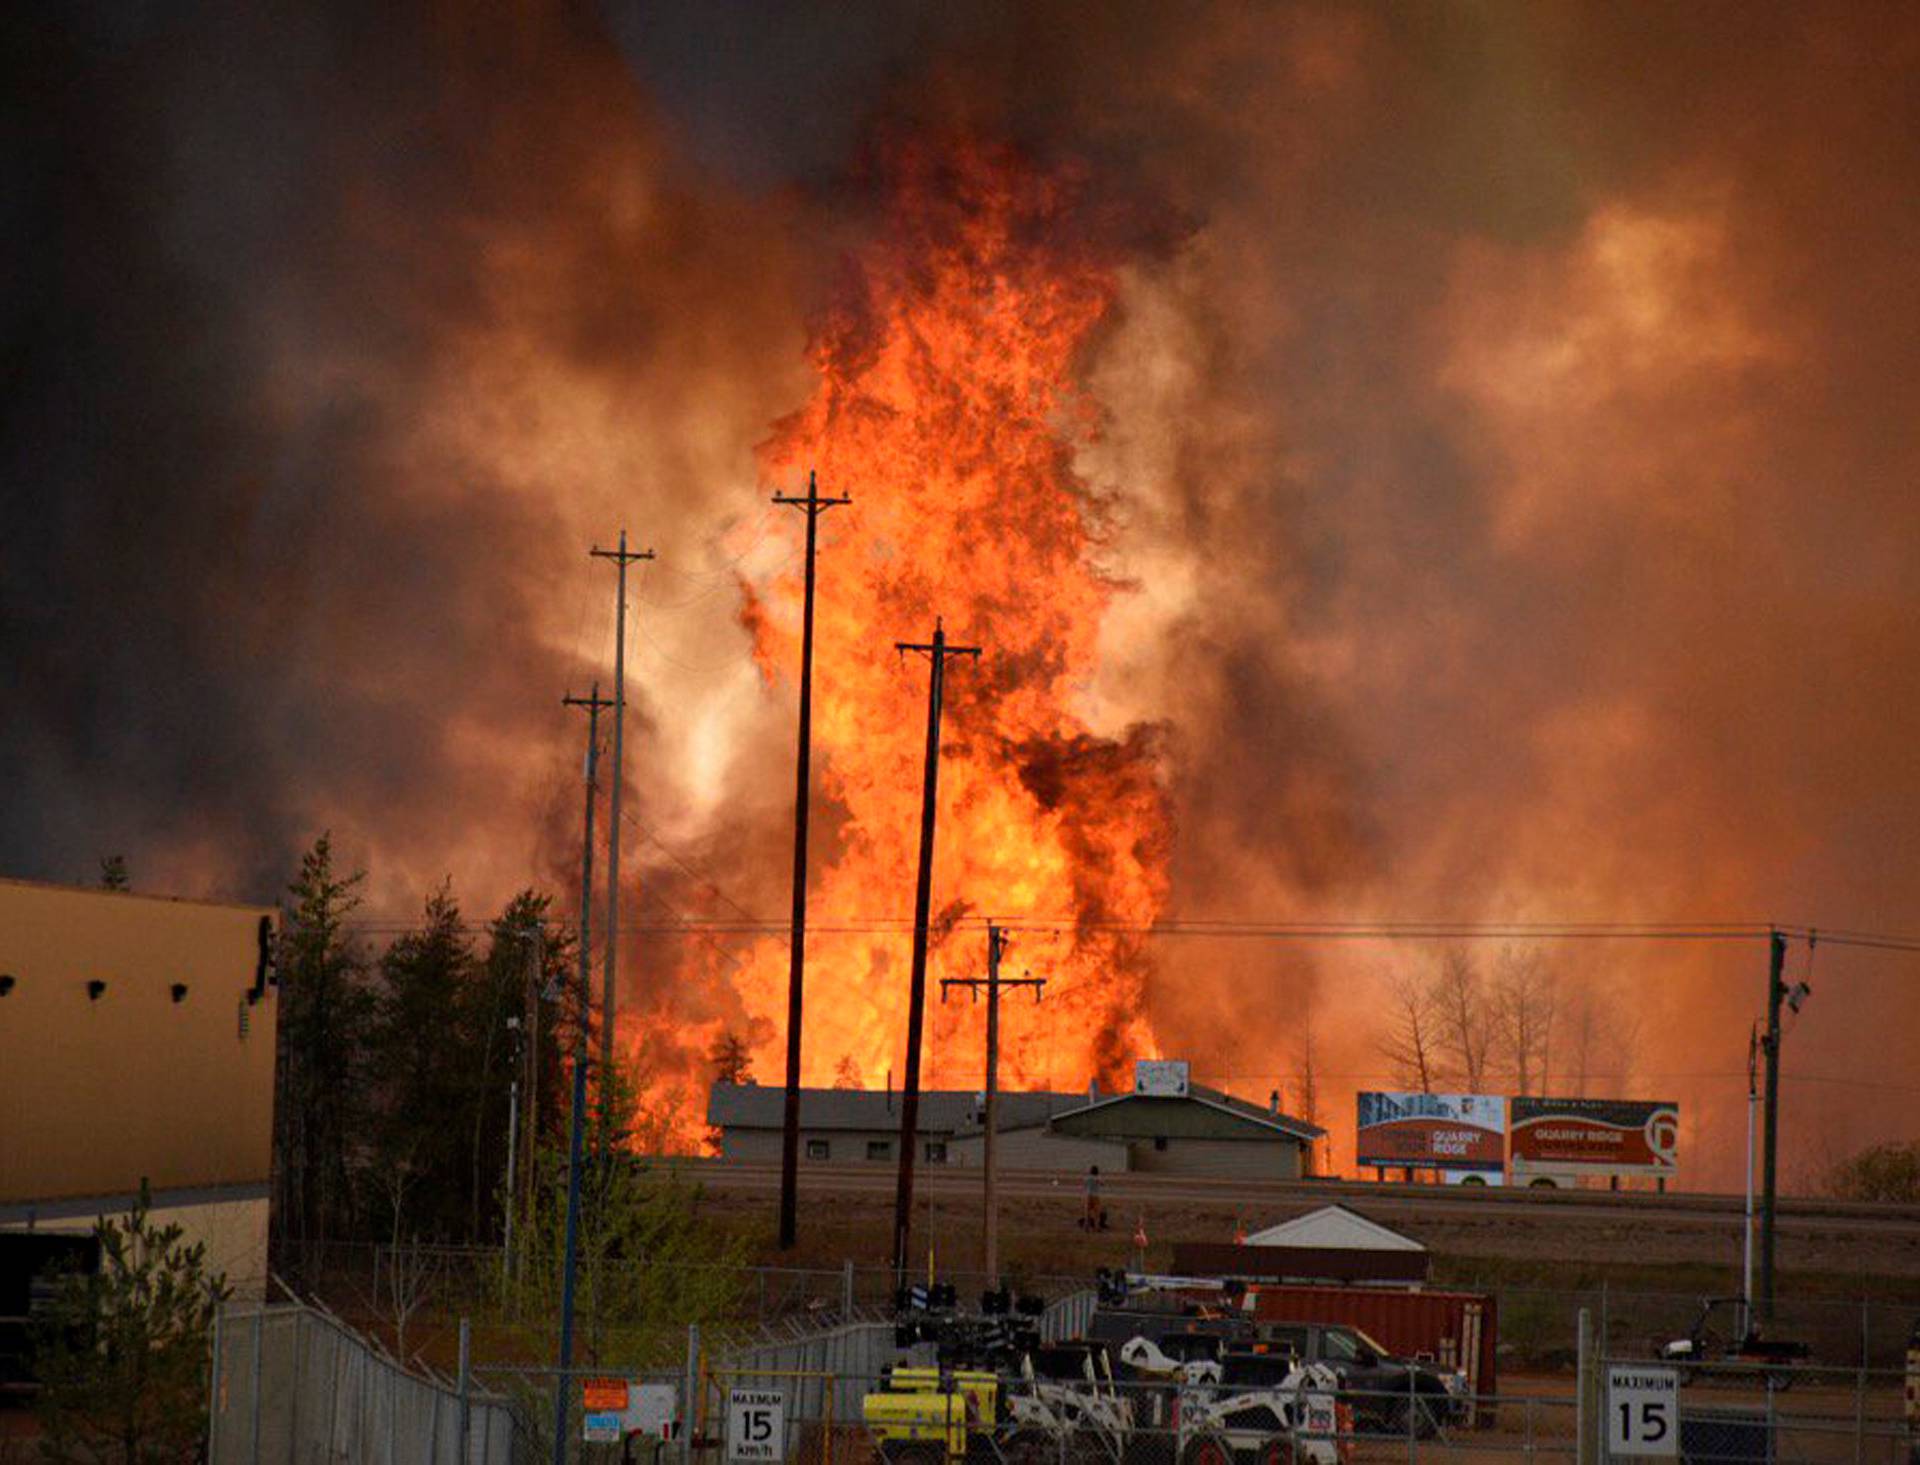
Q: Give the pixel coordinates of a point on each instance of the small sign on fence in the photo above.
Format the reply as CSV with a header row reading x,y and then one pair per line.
x,y
756,1424
603,1395
1643,1410
651,1410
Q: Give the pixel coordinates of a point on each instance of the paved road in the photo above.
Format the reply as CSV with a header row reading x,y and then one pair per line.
x,y
1386,1201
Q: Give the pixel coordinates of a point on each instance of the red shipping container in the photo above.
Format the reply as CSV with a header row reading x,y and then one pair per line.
x,y
1457,1329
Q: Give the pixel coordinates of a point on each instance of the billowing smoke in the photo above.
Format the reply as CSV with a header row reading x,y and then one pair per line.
x,y
1511,464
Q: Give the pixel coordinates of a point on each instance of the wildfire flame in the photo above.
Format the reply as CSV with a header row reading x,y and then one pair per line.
x,y
946,405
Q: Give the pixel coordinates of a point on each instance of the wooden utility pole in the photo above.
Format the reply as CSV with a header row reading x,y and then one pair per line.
x,y
1770,1145
622,559
594,705
937,651
814,506
993,982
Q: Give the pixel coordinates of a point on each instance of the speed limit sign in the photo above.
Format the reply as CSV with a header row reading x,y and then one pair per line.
x,y
756,1424
1643,1410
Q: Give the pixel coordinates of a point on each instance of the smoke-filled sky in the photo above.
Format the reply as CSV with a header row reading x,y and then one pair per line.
x,y
1506,437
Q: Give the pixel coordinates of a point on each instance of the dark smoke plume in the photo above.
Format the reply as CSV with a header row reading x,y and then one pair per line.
x,y
1516,464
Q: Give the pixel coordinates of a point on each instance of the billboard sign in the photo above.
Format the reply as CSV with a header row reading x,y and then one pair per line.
x,y
1595,1136
1433,1131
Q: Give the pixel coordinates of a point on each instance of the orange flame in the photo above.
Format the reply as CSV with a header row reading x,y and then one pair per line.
x,y
947,407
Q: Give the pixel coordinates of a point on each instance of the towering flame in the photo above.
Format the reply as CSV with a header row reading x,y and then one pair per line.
x,y
946,405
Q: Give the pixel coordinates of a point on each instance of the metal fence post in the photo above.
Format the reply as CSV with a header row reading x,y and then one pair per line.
x,y
846,1290
1583,1372
259,1326
215,1399
689,1410
1529,1429
466,1390
298,1322
1413,1421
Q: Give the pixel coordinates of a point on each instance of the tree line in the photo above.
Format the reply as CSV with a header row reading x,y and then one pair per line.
x,y
395,1068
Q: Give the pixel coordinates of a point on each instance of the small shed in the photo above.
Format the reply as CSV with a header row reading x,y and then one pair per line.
x,y
1331,1244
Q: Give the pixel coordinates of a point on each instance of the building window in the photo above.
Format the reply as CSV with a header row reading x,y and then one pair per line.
x,y
936,1152
1159,1141
817,1149
879,1149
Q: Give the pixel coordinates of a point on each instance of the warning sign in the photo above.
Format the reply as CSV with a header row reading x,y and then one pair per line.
x,y
603,1395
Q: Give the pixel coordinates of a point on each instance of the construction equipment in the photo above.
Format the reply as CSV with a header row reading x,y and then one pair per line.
x,y
931,1415
924,1416
1265,1409
1706,1351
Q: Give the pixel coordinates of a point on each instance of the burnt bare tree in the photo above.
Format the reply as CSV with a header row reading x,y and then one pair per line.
x,y
1524,1001
1465,1019
1411,1044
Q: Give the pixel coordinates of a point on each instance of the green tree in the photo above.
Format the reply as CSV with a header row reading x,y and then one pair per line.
x,y
122,1355
113,873
526,966
326,1016
650,1262
421,1075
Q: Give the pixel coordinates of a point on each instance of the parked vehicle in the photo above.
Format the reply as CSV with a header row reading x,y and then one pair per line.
x,y
926,1416
1264,1409
1717,1347
1061,1403
1386,1393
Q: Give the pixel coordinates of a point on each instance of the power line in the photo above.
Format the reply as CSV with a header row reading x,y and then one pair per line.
x,y
746,925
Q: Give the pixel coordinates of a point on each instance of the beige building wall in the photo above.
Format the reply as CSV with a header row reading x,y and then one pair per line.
x,y
231,1223
844,1146
96,1093
1277,1158
1039,1148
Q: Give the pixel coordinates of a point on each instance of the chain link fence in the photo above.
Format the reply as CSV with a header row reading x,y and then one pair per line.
x,y
1537,1324
290,1383
1747,1412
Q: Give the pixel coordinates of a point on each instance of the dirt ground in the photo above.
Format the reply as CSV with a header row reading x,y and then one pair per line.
x,y
1829,1255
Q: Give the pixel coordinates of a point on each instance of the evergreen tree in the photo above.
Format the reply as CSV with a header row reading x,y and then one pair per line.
x,y
326,1013
113,873
122,1354
423,1076
527,962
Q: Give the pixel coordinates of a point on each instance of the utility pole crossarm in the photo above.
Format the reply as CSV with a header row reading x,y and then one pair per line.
x,y
622,554
932,648
814,502
1003,983
814,505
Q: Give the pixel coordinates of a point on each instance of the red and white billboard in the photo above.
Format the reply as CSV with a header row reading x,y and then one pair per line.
x,y
1595,1136
1432,1131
